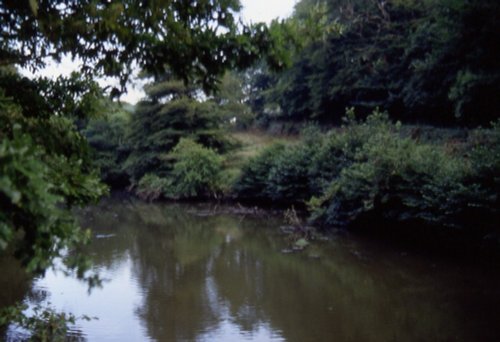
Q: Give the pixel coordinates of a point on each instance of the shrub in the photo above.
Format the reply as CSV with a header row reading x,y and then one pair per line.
x,y
253,181
481,195
485,156
197,171
395,178
288,176
168,113
371,169
339,147
296,173
152,187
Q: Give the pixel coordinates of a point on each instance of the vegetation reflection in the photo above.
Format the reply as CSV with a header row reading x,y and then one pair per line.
x,y
197,270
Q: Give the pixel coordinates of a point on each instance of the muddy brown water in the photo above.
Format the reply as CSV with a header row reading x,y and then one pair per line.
x,y
197,273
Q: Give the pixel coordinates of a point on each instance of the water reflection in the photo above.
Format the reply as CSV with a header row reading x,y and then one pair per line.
x,y
183,299
176,275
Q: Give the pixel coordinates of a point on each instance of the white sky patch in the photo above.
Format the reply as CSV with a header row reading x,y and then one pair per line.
x,y
266,10
253,11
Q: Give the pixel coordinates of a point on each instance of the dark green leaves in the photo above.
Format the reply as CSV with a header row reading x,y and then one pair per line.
x,y
44,169
197,40
426,61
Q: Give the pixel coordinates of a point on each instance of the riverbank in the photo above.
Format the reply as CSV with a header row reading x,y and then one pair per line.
x,y
440,243
373,175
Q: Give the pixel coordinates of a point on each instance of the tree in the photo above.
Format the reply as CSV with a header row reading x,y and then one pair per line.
x,y
194,39
171,111
45,170
230,101
107,136
45,161
423,61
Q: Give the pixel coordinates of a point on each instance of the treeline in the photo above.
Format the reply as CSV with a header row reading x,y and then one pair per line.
x,y
423,61
393,64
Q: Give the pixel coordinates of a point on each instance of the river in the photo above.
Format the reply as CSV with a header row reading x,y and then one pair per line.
x,y
177,272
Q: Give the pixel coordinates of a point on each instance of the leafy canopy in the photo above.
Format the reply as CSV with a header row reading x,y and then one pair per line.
x,y
428,61
195,39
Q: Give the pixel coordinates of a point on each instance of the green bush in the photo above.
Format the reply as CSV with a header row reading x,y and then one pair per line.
x,y
288,177
298,172
373,169
152,187
253,181
399,179
394,178
482,184
169,113
339,148
485,156
281,172
197,171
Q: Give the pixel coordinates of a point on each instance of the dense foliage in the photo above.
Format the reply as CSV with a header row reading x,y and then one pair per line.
x,y
169,145
45,167
107,135
197,40
373,169
252,183
152,187
197,170
428,61
196,173
170,112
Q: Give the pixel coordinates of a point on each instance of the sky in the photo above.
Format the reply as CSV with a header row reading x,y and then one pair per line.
x,y
253,11
266,10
